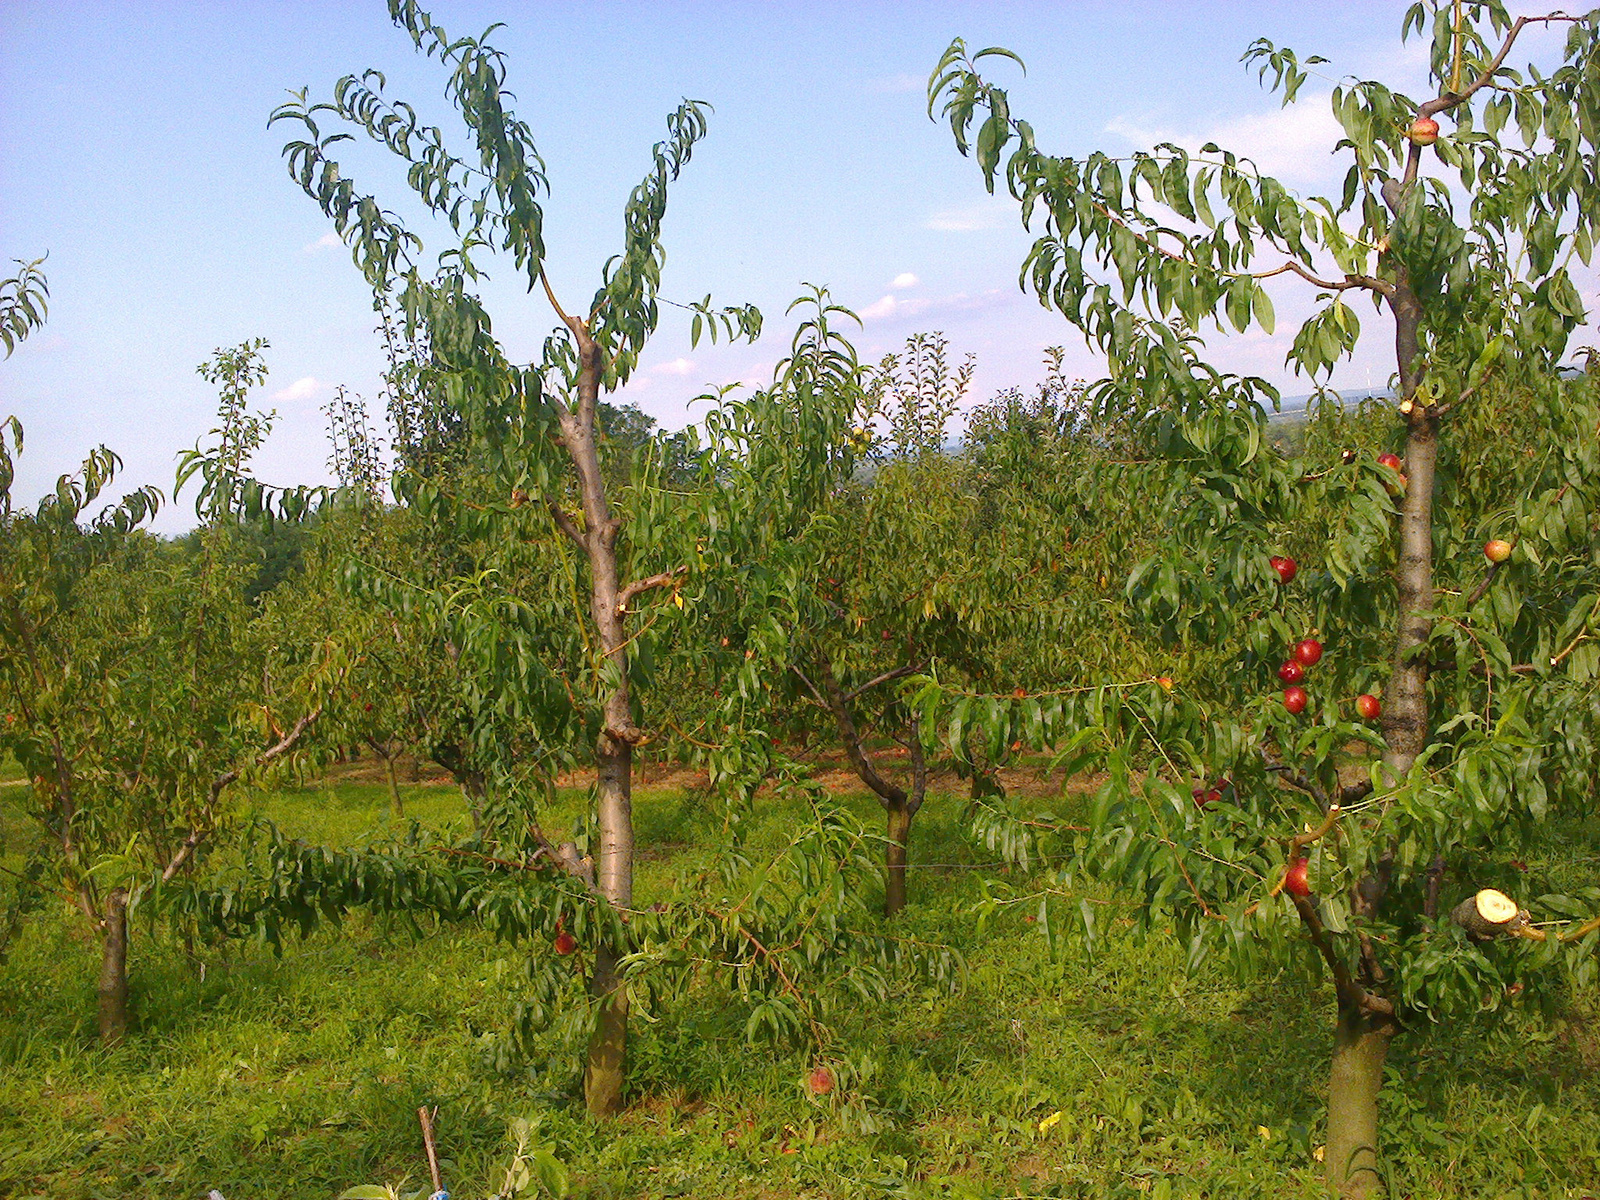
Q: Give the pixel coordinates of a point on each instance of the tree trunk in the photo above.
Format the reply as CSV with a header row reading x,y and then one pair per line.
x,y
894,893
603,1075
1351,1157
474,790
1405,702
394,786
113,989
608,1044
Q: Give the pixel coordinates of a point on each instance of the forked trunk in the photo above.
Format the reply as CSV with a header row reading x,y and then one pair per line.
x,y
113,989
1351,1157
898,851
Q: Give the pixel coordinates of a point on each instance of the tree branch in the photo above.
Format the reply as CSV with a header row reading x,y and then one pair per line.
x,y
886,791
897,673
811,687
1451,99
1297,780
563,521
1367,282
202,831
640,586
1482,589
1350,993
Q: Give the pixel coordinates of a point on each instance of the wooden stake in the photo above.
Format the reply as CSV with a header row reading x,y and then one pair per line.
x,y
426,1118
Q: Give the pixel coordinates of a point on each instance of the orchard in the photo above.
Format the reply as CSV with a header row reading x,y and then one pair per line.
x,y
883,783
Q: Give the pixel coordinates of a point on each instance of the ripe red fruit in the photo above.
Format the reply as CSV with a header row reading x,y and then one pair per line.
x,y
1164,682
1291,672
1309,652
565,943
368,706
1497,551
1200,797
1424,131
1393,461
1367,705
1295,700
1286,568
1297,879
820,1081
887,635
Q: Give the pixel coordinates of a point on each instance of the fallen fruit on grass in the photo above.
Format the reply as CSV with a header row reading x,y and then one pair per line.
x,y
1297,879
820,1081
1295,700
1497,551
1308,653
1291,672
565,943
1367,705
1424,131
1286,568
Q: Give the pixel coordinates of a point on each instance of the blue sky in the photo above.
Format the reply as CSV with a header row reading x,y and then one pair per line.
x,y
134,148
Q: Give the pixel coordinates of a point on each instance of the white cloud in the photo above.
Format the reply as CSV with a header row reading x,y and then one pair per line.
x,y
964,220
1294,144
957,302
302,389
327,240
904,280
678,366
903,82
878,309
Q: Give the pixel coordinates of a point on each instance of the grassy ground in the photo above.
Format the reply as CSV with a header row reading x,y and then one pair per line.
x,y
301,1075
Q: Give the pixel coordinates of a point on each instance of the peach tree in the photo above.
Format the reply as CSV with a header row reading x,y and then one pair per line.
x,y
141,690
594,555
1384,846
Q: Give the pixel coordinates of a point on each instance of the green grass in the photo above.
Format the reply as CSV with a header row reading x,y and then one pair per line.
x,y
301,1075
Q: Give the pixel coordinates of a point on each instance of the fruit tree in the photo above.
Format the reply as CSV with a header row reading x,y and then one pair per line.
x,y
1462,238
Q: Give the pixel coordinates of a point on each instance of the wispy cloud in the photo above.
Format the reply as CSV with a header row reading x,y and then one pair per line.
x,y
879,309
326,241
1293,144
904,280
973,217
302,389
891,307
678,366
903,82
